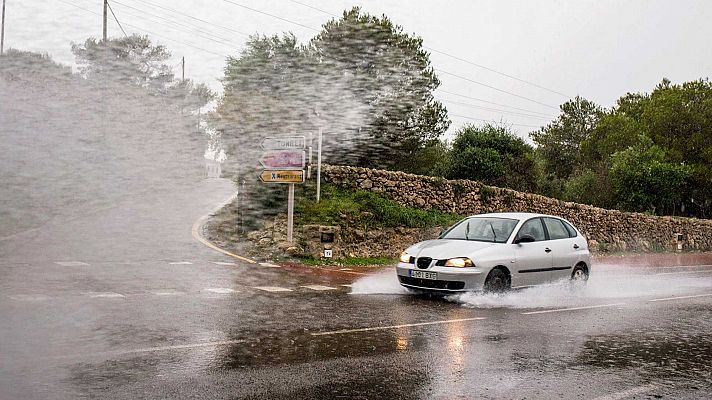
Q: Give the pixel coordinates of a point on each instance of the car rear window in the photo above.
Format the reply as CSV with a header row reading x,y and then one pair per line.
x,y
572,231
556,229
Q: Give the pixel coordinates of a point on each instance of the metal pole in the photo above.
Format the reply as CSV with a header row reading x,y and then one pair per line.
x,y
318,169
106,4
2,30
309,163
182,75
290,213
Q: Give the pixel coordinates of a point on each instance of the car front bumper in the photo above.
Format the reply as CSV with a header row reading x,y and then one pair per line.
x,y
449,279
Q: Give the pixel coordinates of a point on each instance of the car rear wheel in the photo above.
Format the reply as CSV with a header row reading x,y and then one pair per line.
x,y
497,281
579,275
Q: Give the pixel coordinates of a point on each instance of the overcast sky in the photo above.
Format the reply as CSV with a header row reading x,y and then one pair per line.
x,y
598,49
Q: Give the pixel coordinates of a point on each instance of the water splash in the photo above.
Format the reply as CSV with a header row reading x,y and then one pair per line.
x,y
605,285
613,284
385,282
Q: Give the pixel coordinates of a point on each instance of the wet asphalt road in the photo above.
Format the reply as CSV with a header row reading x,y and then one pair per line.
x,y
104,293
165,317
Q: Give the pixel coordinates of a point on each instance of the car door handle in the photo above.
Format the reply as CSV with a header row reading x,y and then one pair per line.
x,y
548,250
576,246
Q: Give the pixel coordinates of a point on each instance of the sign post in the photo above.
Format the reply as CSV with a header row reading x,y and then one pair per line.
x,y
283,162
318,169
290,213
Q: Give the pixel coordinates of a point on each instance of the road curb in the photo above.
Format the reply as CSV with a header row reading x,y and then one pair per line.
x,y
197,231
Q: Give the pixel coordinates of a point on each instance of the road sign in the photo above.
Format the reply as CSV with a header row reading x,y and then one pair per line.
x,y
284,143
282,176
287,159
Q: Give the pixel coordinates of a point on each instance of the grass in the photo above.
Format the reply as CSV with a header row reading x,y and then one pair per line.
x,y
339,206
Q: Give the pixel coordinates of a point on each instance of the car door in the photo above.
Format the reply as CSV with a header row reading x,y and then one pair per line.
x,y
532,260
563,251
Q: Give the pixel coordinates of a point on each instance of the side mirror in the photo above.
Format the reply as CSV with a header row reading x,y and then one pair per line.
x,y
524,239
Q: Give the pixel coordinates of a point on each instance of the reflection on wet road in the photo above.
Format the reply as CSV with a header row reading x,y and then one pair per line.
x,y
248,343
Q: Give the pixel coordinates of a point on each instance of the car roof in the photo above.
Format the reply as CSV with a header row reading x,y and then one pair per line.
x,y
513,215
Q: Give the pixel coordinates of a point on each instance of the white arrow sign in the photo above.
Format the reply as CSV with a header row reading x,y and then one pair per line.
x,y
284,143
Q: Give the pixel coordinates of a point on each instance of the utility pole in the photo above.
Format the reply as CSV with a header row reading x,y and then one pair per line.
x,y
2,30
182,75
106,5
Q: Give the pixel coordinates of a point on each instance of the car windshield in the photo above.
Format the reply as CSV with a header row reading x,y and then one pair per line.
x,y
484,229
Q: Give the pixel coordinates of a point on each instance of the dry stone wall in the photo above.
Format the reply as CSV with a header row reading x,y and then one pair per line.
x,y
607,230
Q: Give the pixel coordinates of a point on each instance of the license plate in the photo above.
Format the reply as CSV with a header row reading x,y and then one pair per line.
x,y
423,274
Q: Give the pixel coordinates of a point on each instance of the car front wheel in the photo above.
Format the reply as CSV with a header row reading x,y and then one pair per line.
x,y
497,281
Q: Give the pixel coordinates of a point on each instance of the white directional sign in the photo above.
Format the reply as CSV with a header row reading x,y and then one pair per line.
x,y
284,143
281,159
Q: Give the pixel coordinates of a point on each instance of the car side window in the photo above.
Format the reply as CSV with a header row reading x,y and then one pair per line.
x,y
534,228
572,231
556,229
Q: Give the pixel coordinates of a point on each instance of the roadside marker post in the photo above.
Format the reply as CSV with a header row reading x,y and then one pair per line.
x,y
283,161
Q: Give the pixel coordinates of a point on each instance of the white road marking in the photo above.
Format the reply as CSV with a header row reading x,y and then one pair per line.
x,y
181,263
572,309
270,265
29,297
704,271
345,269
627,393
71,263
381,328
318,287
167,293
682,297
159,348
220,290
108,295
223,263
272,289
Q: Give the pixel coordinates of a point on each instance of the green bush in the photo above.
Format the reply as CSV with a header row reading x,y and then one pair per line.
x,y
340,206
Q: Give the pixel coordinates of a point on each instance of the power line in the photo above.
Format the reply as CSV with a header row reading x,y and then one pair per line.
x,y
210,36
491,121
271,15
496,72
314,8
489,102
193,17
456,57
494,88
495,109
116,19
439,70
149,32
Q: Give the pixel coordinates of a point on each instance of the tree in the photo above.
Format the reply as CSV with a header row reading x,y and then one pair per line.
x,y
363,81
267,91
389,71
559,143
590,186
643,181
494,155
131,59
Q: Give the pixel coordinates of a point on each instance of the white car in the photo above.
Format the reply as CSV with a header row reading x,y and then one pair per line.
x,y
496,252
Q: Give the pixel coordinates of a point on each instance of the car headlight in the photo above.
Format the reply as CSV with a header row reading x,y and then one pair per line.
x,y
460,262
407,258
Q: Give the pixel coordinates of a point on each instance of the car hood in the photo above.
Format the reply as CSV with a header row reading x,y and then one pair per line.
x,y
447,248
